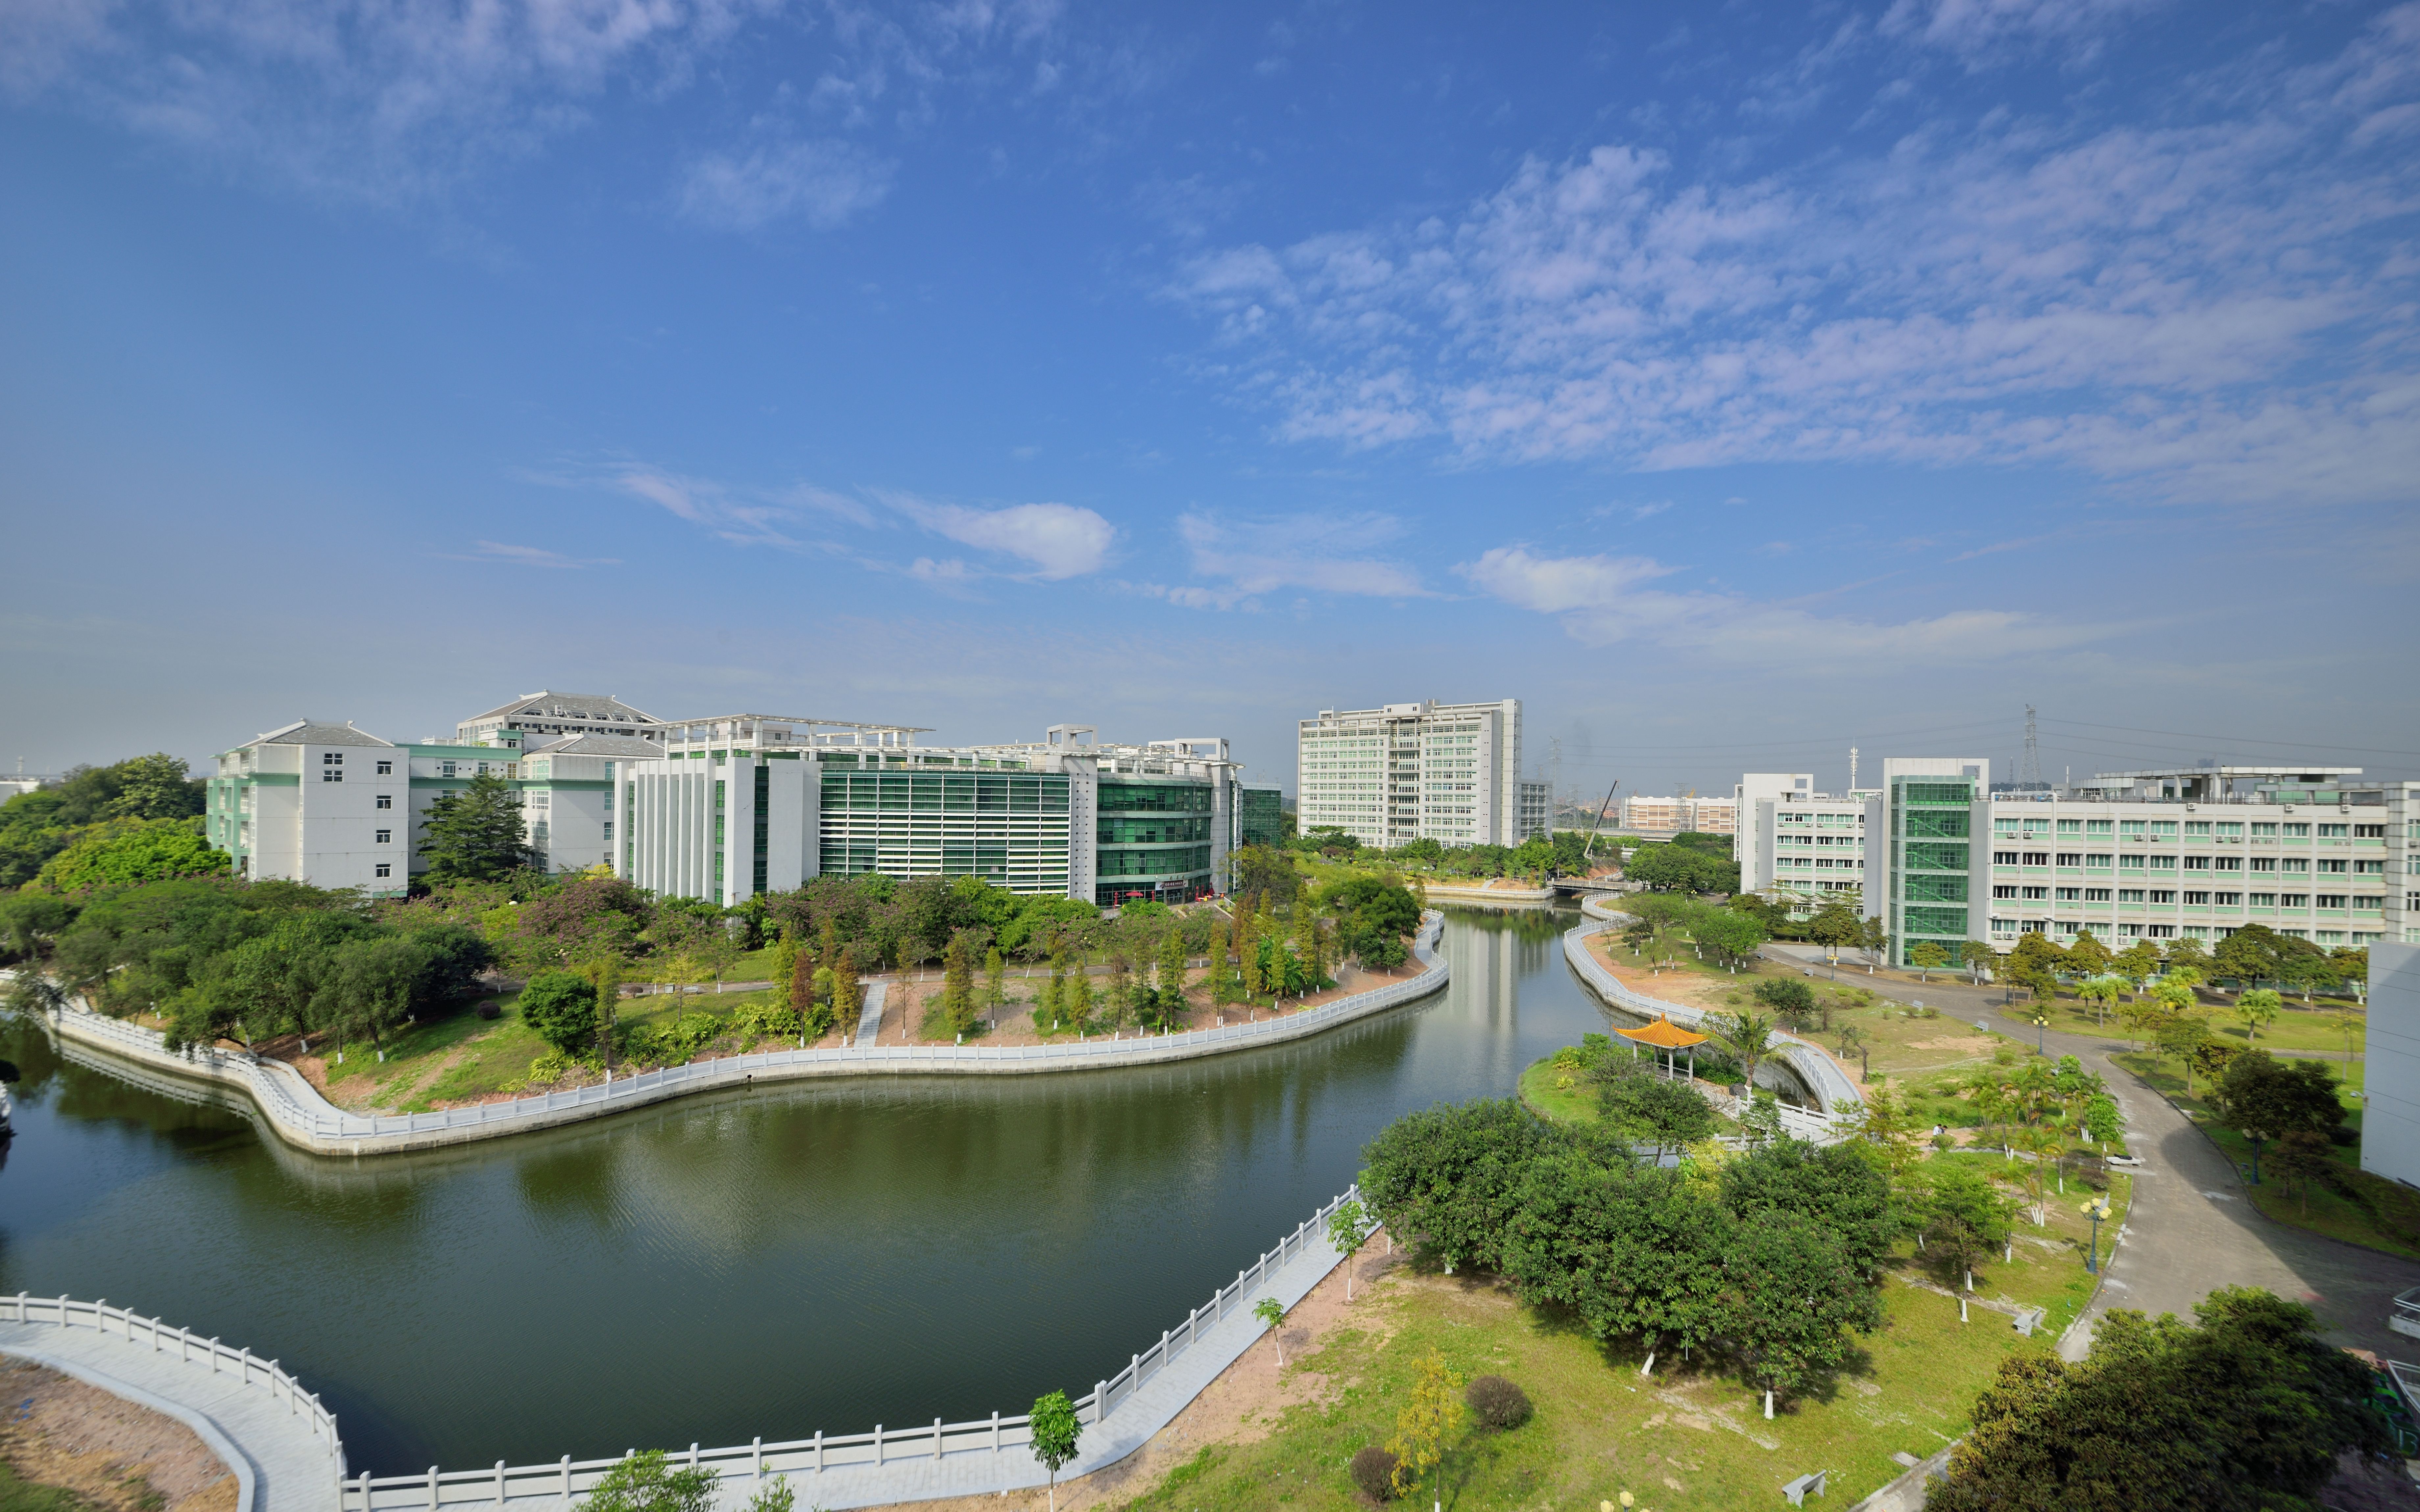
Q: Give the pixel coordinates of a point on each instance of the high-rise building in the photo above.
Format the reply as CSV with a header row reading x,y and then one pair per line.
x,y
1388,776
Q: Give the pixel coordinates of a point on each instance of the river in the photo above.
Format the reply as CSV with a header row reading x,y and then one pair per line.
x,y
773,1261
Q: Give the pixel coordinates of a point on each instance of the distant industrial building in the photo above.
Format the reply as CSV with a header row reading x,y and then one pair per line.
x,y
1662,818
1403,772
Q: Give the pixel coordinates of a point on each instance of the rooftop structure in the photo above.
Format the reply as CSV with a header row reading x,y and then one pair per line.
x,y
547,713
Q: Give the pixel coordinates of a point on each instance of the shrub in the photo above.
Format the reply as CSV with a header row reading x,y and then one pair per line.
x,y
560,1007
1497,1402
489,1011
1373,1470
1785,995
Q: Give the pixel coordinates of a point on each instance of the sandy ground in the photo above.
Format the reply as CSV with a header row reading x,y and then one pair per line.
x,y
58,1431
1242,1406
1672,986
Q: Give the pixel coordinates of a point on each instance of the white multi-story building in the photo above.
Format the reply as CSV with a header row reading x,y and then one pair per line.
x,y
315,802
1796,844
2194,853
2390,1120
548,716
1388,776
1642,814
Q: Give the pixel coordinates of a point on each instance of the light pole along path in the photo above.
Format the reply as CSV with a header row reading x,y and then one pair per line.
x,y
2191,1228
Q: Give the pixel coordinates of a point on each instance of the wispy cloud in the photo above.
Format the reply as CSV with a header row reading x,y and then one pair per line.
x,y
2215,306
1054,541
824,183
1323,553
532,556
1603,600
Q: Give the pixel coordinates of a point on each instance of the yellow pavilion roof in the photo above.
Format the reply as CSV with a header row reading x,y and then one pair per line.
x,y
1664,1034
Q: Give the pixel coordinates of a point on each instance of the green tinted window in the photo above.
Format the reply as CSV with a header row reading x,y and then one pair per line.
x,y
1937,793
1949,921
1937,824
1925,887
1935,855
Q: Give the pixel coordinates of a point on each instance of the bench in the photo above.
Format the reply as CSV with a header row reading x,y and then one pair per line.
x,y
1805,1486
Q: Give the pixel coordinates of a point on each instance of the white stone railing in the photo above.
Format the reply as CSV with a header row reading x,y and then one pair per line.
x,y
297,1111
190,1349
975,1450
1835,1093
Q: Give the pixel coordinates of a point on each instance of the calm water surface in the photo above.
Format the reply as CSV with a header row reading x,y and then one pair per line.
x,y
767,1262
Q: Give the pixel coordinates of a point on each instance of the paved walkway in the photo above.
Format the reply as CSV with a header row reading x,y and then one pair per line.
x,y
291,1468
869,1019
2191,1228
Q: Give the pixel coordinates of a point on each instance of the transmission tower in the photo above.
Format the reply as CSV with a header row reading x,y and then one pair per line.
x,y
2029,770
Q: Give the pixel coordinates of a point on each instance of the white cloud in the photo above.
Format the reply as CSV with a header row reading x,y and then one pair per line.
x,y
1977,30
742,521
1057,541
2210,306
1603,600
824,183
532,556
1327,553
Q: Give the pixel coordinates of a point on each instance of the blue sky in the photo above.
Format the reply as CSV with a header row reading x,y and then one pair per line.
x,y
1733,384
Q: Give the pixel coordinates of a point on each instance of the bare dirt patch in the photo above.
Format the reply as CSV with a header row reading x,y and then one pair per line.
x,y
56,1430
1242,1406
1972,1044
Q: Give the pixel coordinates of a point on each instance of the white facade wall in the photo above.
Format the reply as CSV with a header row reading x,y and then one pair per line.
x,y
1388,776
2390,1122
1751,845
328,811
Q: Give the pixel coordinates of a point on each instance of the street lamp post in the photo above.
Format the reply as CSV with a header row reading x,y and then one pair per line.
x,y
2042,1029
2096,1210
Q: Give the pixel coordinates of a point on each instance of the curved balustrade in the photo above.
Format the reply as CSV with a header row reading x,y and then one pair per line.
x,y
1835,1095
300,1115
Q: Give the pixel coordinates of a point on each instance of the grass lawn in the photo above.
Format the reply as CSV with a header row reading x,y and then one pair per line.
x,y
754,966
2354,1206
1679,1441
1545,1093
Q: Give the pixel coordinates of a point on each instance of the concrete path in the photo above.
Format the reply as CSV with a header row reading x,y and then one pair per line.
x,y
869,1018
292,1469
2191,1228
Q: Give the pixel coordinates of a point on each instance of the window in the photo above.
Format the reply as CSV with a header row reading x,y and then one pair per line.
x,y
2163,895
2370,868
2009,891
2293,900
2331,865
2097,827
2229,829
2196,899
386,800
2163,863
2369,831
2131,828
609,828
2096,895
2101,860
2295,863
2197,826
2197,863
2331,900
2071,826
2264,831
2132,861
2264,900
2037,858
2264,863
2295,831
2372,904
2004,858
2335,832
2160,932
2070,857
2070,895
2227,863
385,870
332,773
2164,828
332,758
386,768
444,768
2228,900
386,837
2035,895
2129,895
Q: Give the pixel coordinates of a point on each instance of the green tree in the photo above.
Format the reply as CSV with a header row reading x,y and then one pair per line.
x,y
1054,1429
1444,1180
1978,957
648,1483
2263,1098
2181,1035
1748,1036
2248,1410
1792,1301
1633,1252
1348,1228
1641,1108
561,1009
2257,1008
2086,953
1271,1313
2139,961
474,833
1960,1215
124,851
1427,1424
2100,1119
2299,1159
1171,973
1075,999
1730,936
1835,924
2103,993
848,997
1926,958
995,983
785,969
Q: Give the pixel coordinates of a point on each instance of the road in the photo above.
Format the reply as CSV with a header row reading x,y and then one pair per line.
x,y
2192,1228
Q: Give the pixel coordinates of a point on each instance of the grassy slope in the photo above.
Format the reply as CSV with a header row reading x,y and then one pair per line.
x,y
2368,1209
1679,1442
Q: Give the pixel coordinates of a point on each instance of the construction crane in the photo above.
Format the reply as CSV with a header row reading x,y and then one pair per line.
x,y
1600,822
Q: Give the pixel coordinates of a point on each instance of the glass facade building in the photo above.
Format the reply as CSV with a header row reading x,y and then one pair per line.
x,y
1261,811
1009,828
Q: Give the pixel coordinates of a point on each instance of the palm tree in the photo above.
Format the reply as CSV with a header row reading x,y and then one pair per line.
x,y
2259,1007
1745,1035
